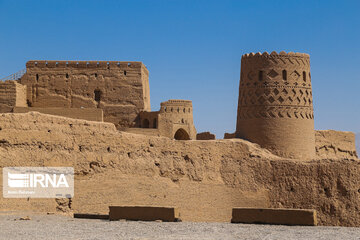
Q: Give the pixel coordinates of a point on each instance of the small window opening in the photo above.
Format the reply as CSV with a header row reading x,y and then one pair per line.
x,y
95,74
37,77
125,73
67,75
304,76
260,75
284,75
97,94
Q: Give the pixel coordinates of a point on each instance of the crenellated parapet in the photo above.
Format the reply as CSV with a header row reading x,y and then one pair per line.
x,y
82,64
275,54
176,106
283,69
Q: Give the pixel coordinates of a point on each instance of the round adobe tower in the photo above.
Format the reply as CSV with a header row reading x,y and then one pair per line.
x,y
275,107
176,119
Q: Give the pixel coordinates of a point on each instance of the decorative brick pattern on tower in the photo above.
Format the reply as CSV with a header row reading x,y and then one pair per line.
x,y
275,107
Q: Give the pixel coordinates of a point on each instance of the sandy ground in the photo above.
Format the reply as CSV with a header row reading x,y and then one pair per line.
x,y
62,227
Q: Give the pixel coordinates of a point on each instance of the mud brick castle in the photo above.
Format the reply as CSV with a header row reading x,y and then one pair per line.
x,y
116,92
95,116
275,106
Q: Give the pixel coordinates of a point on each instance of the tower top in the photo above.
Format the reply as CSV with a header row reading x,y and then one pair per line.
x,y
275,54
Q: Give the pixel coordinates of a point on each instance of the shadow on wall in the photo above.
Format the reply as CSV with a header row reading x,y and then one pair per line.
x,y
181,134
357,143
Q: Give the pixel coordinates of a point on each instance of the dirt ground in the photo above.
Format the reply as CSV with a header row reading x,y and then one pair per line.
x,y
64,227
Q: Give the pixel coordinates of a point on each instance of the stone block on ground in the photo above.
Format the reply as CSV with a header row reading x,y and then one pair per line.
x,y
274,216
144,213
91,216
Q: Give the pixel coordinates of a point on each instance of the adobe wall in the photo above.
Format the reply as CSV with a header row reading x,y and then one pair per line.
x,y
275,106
330,144
205,136
149,119
120,89
229,135
204,179
20,95
90,114
12,94
143,131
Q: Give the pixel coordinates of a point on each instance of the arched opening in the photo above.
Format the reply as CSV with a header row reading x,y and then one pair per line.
x,y
284,75
155,123
146,123
181,134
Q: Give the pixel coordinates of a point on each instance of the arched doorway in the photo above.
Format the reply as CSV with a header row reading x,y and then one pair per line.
x,y
146,123
181,134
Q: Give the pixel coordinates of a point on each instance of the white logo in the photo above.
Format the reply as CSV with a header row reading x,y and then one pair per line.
x,y
34,180
18,180
38,182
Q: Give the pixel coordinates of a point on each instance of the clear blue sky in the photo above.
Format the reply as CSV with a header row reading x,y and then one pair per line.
x,y
193,48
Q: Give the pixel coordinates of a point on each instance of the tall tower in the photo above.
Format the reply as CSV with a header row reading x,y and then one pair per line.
x,y
275,107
